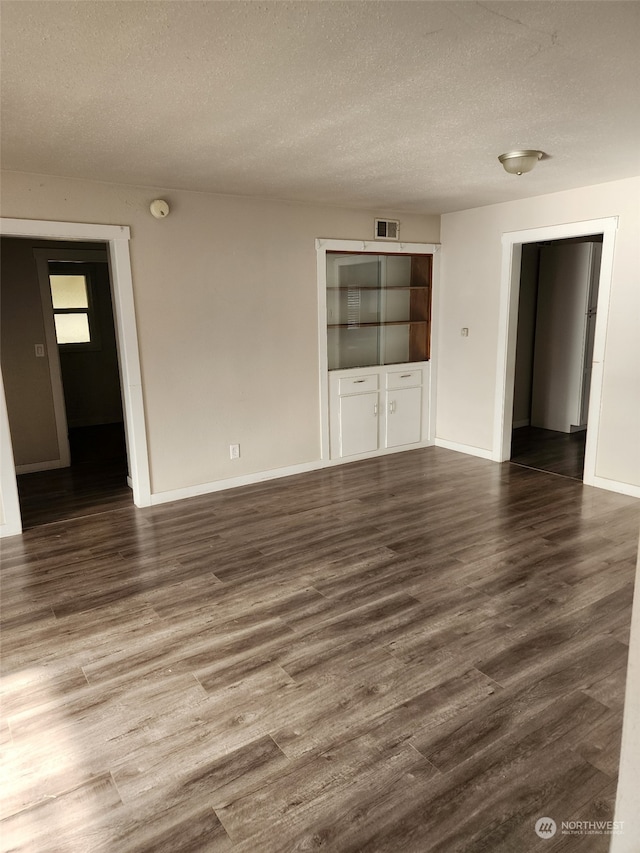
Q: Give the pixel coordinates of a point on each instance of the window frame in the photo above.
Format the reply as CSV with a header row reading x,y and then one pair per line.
x,y
71,268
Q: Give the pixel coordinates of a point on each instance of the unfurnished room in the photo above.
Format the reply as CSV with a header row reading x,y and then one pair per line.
x,y
320,426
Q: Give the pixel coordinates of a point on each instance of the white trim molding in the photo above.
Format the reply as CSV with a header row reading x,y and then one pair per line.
x,y
627,808
11,522
47,465
275,474
615,486
43,229
512,243
383,247
469,449
234,482
117,239
131,375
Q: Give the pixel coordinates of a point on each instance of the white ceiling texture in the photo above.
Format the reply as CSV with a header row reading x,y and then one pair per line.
x,y
384,105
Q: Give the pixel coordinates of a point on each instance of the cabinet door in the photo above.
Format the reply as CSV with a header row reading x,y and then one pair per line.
x,y
358,423
404,417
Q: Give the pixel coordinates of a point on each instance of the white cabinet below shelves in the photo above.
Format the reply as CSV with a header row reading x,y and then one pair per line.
x,y
403,417
358,423
378,408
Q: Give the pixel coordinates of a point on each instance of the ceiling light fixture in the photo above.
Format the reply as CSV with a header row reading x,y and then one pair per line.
x,y
519,162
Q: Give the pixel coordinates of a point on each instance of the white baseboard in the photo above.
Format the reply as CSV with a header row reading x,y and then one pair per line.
x,y
32,467
263,476
233,483
614,486
519,424
469,449
10,529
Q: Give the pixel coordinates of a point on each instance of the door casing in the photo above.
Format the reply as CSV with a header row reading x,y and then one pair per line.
x,y
116,238
512,243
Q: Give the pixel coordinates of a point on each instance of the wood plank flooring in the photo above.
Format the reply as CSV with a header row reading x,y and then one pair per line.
x,y
95,482
547,450
423,653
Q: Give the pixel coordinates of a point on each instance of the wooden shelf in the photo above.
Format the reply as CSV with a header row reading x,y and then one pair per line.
x,y
394,287
352,278
376,325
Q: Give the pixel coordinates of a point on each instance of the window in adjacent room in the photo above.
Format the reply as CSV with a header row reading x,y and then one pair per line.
x,y
72,310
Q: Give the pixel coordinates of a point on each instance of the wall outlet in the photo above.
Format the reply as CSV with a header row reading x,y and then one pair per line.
x,y
464,332
39,350
234,451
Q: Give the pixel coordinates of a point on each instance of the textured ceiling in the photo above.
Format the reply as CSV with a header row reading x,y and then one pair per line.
x,y
385,105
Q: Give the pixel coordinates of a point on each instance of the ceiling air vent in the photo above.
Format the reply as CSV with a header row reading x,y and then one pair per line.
x,y
387,229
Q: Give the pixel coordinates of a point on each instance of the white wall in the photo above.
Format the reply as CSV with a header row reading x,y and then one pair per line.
x,y
628,795
470,275
226,303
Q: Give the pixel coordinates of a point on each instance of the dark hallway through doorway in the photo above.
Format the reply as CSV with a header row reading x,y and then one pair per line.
x,y
95,482
547,450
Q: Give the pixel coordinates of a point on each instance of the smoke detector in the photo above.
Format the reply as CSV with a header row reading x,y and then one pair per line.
x,y
159,208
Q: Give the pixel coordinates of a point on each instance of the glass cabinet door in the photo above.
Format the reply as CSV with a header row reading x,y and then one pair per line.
x,y
378,309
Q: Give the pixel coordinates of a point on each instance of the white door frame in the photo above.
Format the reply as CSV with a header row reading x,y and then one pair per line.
x,y
117,239
512,243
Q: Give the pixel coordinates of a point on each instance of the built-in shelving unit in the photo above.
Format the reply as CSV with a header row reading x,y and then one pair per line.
x,y
378,309
375,330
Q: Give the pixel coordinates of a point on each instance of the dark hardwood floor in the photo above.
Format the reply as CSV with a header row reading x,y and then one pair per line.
x,y
95,482
546,450
423,652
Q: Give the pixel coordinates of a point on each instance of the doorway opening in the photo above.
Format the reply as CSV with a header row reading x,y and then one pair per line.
x,y
91,471
557,311
513,244
79,311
